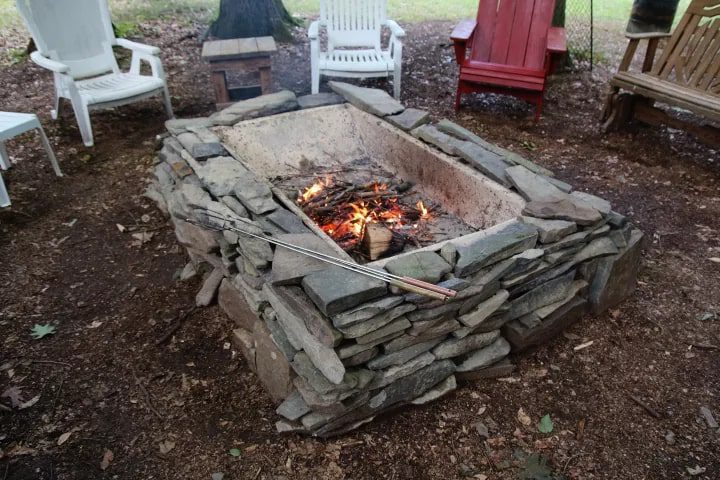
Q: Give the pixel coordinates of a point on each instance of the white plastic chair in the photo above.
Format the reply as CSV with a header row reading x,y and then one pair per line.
x,y
354,49
11,125
74,39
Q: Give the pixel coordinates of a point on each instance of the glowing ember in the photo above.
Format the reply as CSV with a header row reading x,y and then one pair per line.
x,y
343,210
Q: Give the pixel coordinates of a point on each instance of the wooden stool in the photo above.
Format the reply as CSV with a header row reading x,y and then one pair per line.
x,y
241,55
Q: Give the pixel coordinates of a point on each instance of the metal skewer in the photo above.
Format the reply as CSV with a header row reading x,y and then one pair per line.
x,y
405,283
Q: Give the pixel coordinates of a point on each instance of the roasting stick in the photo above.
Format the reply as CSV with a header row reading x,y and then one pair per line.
x,y
405,283
354,266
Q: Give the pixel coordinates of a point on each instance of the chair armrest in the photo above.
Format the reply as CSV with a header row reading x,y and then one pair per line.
x,y
557,40
45,62
463,31
395,29
137,47
640,36
314,30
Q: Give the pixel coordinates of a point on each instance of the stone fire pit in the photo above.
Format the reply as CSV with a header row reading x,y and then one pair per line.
x,y
336,349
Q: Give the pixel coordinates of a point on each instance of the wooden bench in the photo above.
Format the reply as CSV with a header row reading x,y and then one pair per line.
x,y
686,75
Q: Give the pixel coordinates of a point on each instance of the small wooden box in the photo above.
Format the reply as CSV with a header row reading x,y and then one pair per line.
x,y
240,55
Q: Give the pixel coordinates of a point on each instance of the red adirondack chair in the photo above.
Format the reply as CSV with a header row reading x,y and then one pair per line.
x,y
511,49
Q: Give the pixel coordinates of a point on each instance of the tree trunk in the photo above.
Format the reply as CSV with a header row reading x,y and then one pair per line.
x,y
252,18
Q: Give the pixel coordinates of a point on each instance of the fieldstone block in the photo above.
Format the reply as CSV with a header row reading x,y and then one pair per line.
x,y
243,341
366,311
273,369
439,390
287,221
498,244
289,267
545,294
503,368
220,174
391,374
430,134
409,119
361,358
457,131
209,288
401,356
454,347
425,266
550,231
176,126
235,206
523,338
533,187
563,209
316,323
203,151
321,99
486,162
195,237
485,310
254,193
293,407
323,357
372,100
335,289
376,323
188,140
264,105
485,357
599,204
413,385
616,276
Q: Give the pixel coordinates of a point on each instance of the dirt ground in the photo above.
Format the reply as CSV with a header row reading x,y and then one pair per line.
x,y
173,410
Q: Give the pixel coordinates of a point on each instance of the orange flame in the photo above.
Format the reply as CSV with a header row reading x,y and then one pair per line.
x,y
424,213
314,190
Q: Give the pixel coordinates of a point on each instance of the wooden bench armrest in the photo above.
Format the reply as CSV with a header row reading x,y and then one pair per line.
x,y
557,40
641,36
463,31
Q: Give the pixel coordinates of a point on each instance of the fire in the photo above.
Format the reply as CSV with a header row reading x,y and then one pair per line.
x,y
314,190
344,220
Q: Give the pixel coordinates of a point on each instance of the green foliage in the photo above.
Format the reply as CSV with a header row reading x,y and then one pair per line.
x,y
17,55
234,452
40,331
125,29
546,424
536,468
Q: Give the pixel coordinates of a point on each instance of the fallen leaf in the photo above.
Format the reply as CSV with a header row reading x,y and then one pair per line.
x,y
583,345
696,470
235,452
217,476
108,457
523,417
19,450
95,324
40,331
15,396
29,403
64,437
546,424
120,227
166,446
714,259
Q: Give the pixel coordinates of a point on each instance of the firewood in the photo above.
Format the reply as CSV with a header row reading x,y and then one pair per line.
x,y
377,241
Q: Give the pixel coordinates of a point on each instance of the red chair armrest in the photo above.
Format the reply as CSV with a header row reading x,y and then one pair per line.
x,y
557,40
463,31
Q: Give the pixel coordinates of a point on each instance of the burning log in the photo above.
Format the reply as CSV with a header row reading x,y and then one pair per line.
x,y
378,241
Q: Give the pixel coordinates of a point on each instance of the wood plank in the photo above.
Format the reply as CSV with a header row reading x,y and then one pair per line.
x,y
503,30
266,44
655,116
510,69
535,55
463,30
520,34
677,51
712,52
672,42
557,40
484,31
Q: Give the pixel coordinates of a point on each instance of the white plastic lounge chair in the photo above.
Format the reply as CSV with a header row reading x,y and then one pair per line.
x,y
74,39
11,125
354,48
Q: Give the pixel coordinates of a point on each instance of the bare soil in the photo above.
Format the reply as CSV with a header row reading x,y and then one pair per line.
x,y
174,410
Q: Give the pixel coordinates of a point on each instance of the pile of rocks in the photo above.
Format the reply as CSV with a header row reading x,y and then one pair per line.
x,y
336,349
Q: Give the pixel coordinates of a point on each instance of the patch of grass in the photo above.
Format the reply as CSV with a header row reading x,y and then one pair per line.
x,y
17,55
124,29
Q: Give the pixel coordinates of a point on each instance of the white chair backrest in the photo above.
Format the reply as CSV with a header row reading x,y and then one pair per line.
x,y
77,33
353,23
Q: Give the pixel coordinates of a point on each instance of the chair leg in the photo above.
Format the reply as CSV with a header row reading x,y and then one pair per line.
x,y
168,103
4,197
538,107
55,112
4,158
458,95
397,78
50,153
82,115
315,80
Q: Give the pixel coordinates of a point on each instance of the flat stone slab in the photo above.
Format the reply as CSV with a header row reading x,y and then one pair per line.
x,y
293,407
318,325
363,329
273,369
289,267
430,134
485,310
550,231
409,119
176,126
498,244
391,374
287,221
372,100
545,294
523,338
323,357
319,100
503,368
209,289
485,356
366,311
563,209
616,276
439,390
271,104
254,194
533,187
335,290
413,385
486,162
220,174
203,151
599,204
398,325
425,266
455,347
401,356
